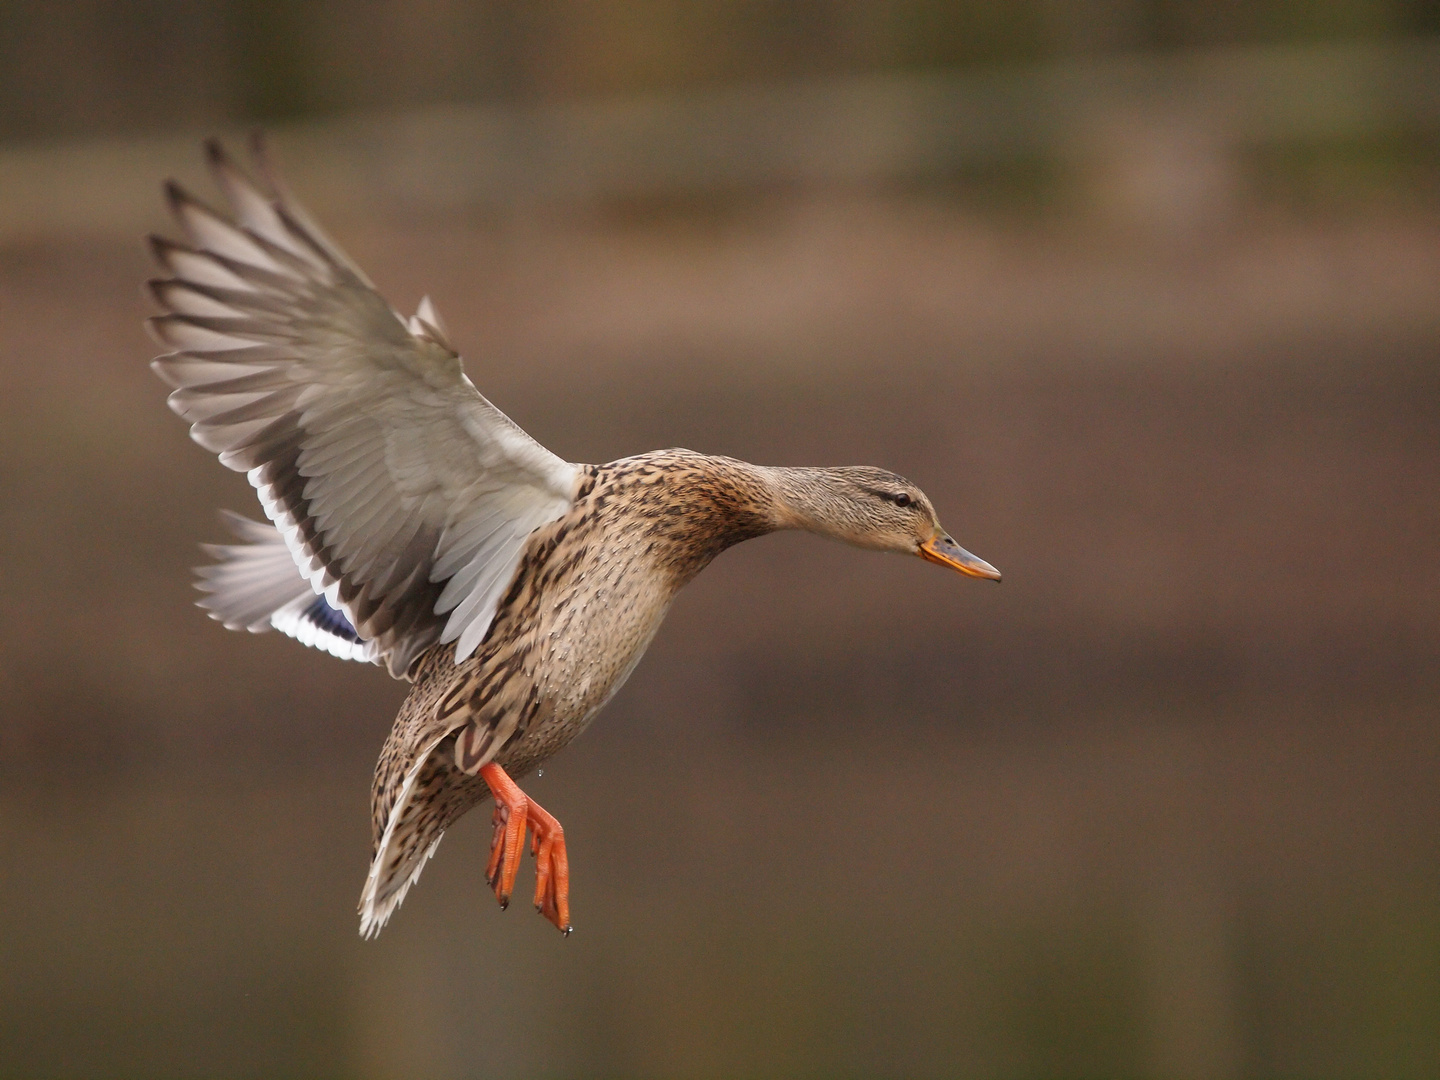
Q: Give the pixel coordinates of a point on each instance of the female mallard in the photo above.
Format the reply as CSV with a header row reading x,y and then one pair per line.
x,y
417,526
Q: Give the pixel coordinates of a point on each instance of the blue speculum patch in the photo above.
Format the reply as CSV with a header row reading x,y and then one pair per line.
x,y
330,619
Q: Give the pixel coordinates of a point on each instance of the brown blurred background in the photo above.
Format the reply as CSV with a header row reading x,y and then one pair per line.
x,y
1144,294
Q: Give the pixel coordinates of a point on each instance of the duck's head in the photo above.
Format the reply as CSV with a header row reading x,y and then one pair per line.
x,y
871,508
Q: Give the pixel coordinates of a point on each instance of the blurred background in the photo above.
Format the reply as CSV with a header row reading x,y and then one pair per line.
x,y
1142,292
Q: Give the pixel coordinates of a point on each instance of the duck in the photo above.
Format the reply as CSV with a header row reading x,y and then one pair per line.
x,y
412,524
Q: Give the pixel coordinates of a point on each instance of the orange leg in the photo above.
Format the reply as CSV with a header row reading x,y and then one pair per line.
x,y
514,810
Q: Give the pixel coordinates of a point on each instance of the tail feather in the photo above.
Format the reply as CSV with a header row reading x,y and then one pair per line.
x,y
434,794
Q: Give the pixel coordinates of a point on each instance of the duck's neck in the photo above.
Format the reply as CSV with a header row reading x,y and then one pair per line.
x,y
685,508
805,499
688,507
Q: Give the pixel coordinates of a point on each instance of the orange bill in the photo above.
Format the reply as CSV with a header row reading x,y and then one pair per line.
x,y
946,552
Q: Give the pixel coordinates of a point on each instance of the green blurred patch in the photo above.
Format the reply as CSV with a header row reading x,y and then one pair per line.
x,y
273,64
1334,173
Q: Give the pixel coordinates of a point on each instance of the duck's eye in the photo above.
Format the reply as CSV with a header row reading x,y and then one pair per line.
x,y
902,499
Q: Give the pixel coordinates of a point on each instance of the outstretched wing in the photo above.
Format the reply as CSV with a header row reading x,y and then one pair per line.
x,y
402,495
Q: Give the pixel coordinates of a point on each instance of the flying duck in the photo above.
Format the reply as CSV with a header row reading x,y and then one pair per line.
x,y
412,524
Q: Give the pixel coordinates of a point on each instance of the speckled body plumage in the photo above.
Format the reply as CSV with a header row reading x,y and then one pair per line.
x,y
589,595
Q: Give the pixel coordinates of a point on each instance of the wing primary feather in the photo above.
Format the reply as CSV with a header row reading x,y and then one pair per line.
x,y
253,209
261,380
208,229
183,295
182,370
265,166
185,262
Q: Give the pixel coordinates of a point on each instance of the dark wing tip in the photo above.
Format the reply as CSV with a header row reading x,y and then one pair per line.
x,y
160,248
183,204
176,195
152,327
227,174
